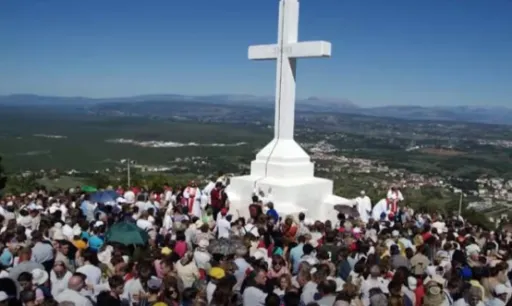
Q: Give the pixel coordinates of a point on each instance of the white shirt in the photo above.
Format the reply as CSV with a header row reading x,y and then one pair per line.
x,y
308,292
364,207
168,196
69,295
132,288
93,273
371,283
144,224
223,227
254,297
210,289
59,284
167,222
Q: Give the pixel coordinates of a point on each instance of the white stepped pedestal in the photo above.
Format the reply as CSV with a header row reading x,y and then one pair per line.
x,y
289,183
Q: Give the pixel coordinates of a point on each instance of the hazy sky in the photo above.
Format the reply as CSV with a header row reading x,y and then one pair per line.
x,y
425,52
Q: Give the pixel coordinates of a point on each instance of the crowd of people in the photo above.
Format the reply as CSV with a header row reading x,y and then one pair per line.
x,y
56,249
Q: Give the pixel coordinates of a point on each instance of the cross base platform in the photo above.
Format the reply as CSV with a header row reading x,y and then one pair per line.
x,y
290,196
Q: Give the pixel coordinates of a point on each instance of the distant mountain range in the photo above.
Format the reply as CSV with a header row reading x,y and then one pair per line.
x,y
491,115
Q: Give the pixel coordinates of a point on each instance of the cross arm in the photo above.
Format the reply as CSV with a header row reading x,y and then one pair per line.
x,y
263,52
292,50
309,49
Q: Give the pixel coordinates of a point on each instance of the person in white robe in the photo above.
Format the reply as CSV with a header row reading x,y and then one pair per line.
x,y
193,195
380,208
364,206
205,195
393,197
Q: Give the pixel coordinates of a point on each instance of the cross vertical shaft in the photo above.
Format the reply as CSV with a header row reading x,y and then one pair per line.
x,y
288,31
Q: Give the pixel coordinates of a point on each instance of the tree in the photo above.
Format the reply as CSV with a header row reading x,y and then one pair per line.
x,y
99,180
21,184
3,176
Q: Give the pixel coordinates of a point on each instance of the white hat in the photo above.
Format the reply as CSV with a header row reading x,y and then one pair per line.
x,y
3,296
58,235
129,197
260,254
435,278
412,282
39,276
106,255
67,231
472,249
121,200
77,231
500,289
98,223
395,233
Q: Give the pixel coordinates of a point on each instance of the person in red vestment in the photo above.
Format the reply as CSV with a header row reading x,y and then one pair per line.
x,y
392,200
191,192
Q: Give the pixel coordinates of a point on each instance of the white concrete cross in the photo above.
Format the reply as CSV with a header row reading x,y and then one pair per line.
x,y
286,52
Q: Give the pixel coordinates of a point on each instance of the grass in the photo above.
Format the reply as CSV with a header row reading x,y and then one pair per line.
x,y
85,148
442,152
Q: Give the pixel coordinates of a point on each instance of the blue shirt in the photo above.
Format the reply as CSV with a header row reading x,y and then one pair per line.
x,y
6,258
272,213
95,243
85,235
295,255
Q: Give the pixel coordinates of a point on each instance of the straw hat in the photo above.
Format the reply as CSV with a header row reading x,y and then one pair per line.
x,y
39,276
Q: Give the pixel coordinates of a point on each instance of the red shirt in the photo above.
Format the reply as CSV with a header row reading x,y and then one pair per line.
x,y
215,198
419,293
180,248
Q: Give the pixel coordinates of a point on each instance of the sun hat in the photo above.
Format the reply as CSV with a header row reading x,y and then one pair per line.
x,y
166,251
217,273
39,276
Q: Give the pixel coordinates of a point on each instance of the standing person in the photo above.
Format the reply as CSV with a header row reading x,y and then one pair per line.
x,y
191,193
364,206
168,195
254,294
223,227
25,264
216,199
393,197
73,294
205,195
112,297
42,252
255,209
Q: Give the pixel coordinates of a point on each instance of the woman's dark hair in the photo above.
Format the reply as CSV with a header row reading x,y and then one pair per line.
x,y
272,299
27,296
180,236
91,257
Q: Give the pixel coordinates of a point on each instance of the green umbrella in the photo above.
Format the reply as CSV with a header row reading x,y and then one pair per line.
x,y
89,189
126,233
